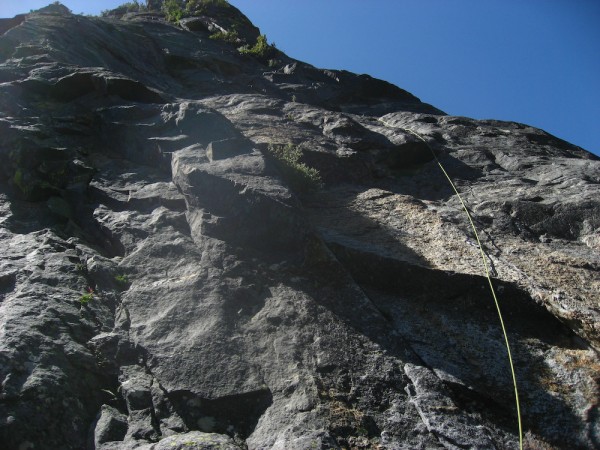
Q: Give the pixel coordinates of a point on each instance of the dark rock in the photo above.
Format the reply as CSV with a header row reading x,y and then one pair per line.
x,y
221,16
77,84
110,426
7,24
224,195
54,8
226,148
194,24
164,283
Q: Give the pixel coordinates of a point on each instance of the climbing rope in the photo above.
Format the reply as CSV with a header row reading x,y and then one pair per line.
x,y
487,274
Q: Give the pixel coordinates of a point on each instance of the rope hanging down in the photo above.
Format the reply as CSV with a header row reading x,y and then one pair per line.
x,y
487,274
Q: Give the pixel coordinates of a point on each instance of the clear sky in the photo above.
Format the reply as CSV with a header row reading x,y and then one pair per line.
x,y
531,61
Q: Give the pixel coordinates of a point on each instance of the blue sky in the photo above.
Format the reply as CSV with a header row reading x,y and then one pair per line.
x,y
530,61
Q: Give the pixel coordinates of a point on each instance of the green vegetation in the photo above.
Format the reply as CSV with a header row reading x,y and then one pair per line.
x,y
87,297
134,6
18,180
301,177
31,187
122,282
261,50
173,10
122,279
199,6
226,36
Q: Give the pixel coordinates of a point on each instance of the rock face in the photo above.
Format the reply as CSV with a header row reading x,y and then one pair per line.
x,y
165,281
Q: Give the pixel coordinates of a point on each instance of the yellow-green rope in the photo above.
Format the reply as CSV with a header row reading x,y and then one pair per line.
x,y
487,274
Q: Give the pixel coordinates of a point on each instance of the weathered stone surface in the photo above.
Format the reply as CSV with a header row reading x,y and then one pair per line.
x,y
195,440
163,285
111,426
225,149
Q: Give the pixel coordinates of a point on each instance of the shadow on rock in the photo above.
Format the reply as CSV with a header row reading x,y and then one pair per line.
x,y
451,323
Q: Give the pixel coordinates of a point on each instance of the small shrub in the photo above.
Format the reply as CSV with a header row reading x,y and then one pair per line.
x,y
134,6
173,10
87,297
200,6
226,36
122,282
261,50
300,177
122,279
154,5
